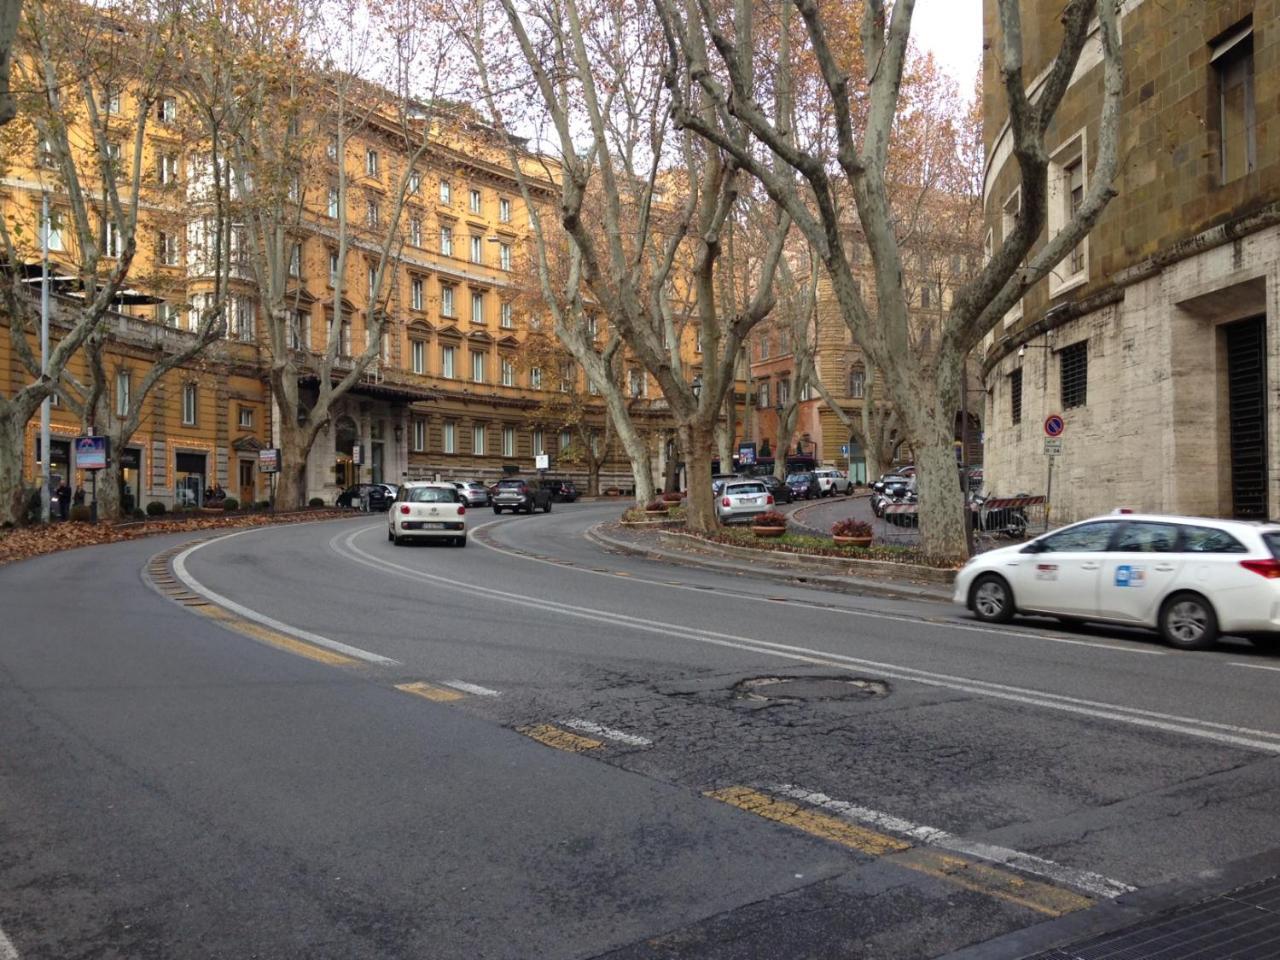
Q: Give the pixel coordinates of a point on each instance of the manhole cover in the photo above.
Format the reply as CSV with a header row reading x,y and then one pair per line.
x,y
795,689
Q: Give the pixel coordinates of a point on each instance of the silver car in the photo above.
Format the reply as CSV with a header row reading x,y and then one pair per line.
x,y
474,493
742,500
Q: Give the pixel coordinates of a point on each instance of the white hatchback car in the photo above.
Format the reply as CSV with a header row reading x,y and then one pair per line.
x,y
742,499
1191,578
428,511
831,481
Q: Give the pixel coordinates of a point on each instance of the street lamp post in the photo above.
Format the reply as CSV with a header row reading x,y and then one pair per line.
x,y
44,357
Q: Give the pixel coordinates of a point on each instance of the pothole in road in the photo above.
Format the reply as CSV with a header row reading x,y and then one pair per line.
x,y
797,689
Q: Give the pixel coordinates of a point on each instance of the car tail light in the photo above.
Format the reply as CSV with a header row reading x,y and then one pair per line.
x,y
1263,568
725,502
461,509
769,499
404,508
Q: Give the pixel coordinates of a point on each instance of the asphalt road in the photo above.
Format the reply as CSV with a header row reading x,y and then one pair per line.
x,y
532,748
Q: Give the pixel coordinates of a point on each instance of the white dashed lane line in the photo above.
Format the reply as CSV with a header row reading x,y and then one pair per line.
x,y
471,688
1092,883
599,730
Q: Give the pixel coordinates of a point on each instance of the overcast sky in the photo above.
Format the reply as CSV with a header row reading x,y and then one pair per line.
x,y
952,29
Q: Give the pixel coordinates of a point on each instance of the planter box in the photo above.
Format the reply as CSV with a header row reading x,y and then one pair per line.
x,y
852,541
769,532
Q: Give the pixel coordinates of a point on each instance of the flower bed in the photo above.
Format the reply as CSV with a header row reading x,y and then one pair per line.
x,y
806,544
674,512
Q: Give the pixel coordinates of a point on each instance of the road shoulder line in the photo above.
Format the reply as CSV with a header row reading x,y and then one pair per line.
x,y
195,586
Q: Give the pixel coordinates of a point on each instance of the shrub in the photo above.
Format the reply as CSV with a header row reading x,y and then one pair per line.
x,y
315,502
770,518
851,527
156,509
230,503
81,514
262,505
139,514
673,496
656,506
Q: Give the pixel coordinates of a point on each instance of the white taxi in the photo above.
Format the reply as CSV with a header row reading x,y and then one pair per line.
x,y
428,511
1191,578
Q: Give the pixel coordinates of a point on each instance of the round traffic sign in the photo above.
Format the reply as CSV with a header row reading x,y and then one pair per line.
x,y
1054,425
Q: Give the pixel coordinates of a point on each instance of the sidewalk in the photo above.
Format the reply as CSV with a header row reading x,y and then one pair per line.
x,y
860,577
1230,913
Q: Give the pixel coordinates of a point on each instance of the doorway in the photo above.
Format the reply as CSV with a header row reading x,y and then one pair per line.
x,y
1247,410
248,492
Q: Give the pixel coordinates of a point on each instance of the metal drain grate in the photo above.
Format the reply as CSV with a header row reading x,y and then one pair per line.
x,y
1241,925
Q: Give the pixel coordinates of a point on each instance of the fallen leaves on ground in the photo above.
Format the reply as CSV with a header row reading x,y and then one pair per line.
x,y
26,542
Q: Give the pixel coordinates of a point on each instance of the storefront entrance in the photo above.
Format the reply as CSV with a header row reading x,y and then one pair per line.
x,y
191,474
344,443
130,477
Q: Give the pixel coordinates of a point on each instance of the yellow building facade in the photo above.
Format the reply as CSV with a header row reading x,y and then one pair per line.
x,y
448,396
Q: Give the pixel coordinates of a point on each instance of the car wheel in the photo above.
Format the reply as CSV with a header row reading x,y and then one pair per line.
x,y
991,599
391,536
395,540
462,541
1187,621
497,510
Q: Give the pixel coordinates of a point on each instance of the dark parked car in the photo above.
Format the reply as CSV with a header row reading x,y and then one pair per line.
x,y
376,496
804,486
519,495
781,492
562,489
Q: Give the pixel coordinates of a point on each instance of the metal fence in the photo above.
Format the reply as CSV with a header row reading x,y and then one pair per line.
x,y
995,521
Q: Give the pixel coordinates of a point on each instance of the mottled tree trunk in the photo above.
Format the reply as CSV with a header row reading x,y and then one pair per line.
x,y
696,444
291,481
14,494
633,444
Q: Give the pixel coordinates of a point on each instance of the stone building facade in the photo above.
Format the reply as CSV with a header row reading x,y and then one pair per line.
x,y
1156,341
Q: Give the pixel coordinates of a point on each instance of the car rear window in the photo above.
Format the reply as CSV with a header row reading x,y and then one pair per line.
x,y
1272,539
511,484
431,495
1209,540
747,488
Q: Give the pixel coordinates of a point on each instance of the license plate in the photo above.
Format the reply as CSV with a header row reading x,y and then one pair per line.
x,y
429,525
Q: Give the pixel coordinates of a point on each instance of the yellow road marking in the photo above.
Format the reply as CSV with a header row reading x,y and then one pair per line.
x,y
560,739
276,639
430,692
810,821
994,882
962,872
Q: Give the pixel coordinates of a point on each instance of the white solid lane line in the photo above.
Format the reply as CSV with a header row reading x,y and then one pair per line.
x,y
600,730
1089,882
1227,734
471,688
195,586
7,950
1254,666
840,611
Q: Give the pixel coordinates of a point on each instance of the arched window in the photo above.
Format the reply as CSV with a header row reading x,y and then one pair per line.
x,y
857,381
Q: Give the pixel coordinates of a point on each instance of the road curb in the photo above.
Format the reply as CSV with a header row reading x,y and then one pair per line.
x,y
859,586
1124,911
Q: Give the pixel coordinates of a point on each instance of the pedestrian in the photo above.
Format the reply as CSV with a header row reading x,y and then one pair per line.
x,y
78,497
63,493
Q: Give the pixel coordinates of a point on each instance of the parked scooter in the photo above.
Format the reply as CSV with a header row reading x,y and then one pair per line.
x,y
1002,521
